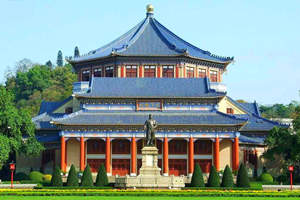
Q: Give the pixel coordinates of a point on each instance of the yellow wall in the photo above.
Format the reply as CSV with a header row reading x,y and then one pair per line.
x,y
73,153
225,103
225,153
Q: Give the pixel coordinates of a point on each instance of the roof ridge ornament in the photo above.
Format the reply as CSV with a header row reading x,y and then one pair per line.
x,y
150,10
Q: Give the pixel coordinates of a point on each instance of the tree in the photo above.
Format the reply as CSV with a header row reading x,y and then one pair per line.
x,y
213,179
242,179
49,64
76,52
227,179
56,179
197,178
87,179
23,65
16,129
59,61
101,179
72,179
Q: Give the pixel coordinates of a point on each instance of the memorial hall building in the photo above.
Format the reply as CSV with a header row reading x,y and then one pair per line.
x,y
149,70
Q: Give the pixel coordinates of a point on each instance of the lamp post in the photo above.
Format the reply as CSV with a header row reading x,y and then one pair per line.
x,y
12,168
291,169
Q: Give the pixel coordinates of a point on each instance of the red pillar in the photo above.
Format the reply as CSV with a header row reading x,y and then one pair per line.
x,y
141,71
166,157
191,156
159,72
82,152
177,72
133,156
122,71
63,154
107,156
217,154
235,154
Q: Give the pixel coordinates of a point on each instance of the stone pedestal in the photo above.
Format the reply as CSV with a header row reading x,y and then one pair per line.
x,y
149,176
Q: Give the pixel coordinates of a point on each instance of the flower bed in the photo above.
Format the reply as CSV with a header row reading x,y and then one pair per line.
x,y
175,193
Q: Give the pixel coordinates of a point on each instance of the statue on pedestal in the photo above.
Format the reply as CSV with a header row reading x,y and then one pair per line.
x,y
150,129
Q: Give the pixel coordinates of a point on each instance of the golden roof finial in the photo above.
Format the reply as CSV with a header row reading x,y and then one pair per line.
x,y
150,8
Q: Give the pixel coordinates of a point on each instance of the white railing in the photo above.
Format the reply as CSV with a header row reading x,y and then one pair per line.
x,y
80,87
218,87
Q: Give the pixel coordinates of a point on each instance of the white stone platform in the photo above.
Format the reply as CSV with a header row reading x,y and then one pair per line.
x,y
150,174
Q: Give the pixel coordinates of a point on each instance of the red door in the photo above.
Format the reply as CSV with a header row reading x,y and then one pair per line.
x,y
120,167
177,167
205,164
95,164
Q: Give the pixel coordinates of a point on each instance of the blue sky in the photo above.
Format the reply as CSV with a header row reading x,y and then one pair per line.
x,y
263,36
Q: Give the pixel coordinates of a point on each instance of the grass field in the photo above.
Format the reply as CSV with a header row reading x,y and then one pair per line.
x,y
139,198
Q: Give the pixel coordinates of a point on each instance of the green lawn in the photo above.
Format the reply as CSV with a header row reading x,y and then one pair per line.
x,y
138,198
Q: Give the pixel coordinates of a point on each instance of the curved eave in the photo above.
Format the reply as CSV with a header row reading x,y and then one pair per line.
x,y
136,97
226,63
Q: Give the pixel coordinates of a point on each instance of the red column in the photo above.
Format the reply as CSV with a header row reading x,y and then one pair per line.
x,y
159,72
141,71
235,154
133,156
122,71
82,152
107,156
217,154
177,71
166,157
63,154
191,156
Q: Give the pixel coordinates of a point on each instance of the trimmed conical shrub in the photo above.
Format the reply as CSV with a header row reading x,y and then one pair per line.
x,y
197,178
87,179
213,179
227,179
56,179
242,179
72,179
101,179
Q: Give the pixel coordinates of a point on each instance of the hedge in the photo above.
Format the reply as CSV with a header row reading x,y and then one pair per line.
x,y
227,179
197,178
72,179
101,179
213,179
87,179
36,176
242,179
56,179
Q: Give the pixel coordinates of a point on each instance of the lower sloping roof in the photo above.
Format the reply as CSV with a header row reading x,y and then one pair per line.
x,y
251,140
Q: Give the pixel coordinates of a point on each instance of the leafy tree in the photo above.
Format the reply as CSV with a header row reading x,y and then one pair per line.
x,y
56,179
72,179
227,179
49,64
242,179
214,178
15,125
197,178
101,179
24,65
59,61
76,52
87,179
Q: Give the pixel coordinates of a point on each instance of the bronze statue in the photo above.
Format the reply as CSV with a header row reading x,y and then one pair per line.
x,y
150,126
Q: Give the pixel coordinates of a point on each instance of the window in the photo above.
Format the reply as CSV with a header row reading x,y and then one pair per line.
x,y
85,75
98,72
168,71
213,76
149,71
109,71
190,72
202,73
131,71
68,110
230,111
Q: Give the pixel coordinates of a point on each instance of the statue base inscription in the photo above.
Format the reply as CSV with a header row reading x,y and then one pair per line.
x,y
150,176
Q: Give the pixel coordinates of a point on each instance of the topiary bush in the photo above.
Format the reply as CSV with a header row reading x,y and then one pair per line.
x,y
266,178
227,179
36,176
87,179
101,179
47,178
20,176
72,179
213,179
197,178
242,179
56,179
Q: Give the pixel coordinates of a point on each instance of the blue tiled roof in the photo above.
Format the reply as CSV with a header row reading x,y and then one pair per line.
x,y
42,121
138,118
48,138
150,88
49,107
150,38
251,140
251,107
